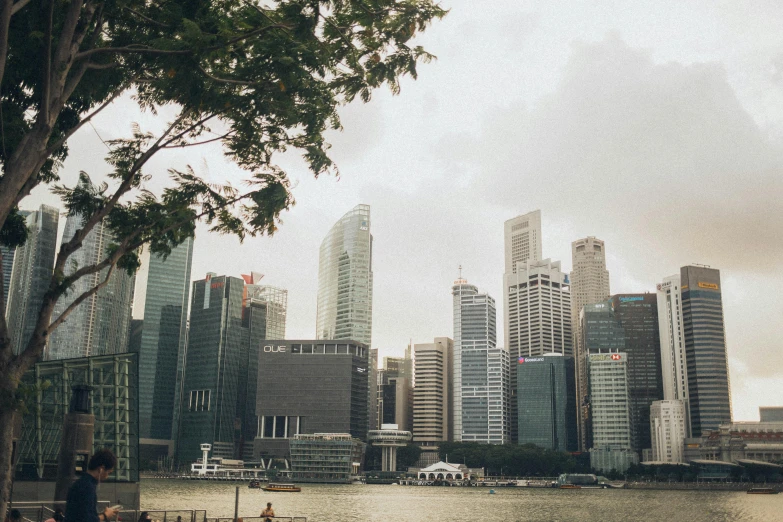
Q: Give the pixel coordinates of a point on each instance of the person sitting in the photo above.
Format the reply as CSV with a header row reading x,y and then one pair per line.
x,y
144,517
14,516
58,516
268,513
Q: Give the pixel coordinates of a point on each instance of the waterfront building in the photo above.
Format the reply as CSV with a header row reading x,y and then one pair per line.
x,y
601,333
389,438
637,314
610,409
668,430
547,402
674,369
589,285
31,275
345,279
213,367
705,349
538,318
771,413
326,457
432,396
307,387
100,324
480,369
744,441
113,399
372,391
162,348
447,471
522,240
265,309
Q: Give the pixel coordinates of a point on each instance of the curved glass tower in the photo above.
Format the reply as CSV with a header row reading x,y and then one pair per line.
x,y
345,279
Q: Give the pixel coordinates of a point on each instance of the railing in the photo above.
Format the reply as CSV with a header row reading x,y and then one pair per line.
x,y
259,519
40,511
158,515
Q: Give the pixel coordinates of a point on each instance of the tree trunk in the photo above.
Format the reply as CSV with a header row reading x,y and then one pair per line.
x,y
7,423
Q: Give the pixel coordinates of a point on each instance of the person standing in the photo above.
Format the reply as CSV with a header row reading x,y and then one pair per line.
x,y
268,512
82,503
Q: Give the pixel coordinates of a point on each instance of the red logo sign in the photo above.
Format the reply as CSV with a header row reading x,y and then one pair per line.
x,y
616,356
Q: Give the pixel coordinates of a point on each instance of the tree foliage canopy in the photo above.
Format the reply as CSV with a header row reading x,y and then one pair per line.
x,y
525,460
257,76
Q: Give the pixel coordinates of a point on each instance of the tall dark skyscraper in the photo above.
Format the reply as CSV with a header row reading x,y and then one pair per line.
x,y
705,349
213,368
310,387
627,323
547,402
31,275
601,333
163,342
638,316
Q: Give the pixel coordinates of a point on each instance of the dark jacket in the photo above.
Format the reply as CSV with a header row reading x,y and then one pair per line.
x,y
82,505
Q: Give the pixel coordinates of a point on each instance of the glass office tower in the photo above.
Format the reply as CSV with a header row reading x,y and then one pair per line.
x,y
345,279
638,316
163,340
100,325
213,368
547,402
31,275
705,349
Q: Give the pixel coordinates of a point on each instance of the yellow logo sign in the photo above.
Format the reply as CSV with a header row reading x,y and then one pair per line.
x,y
711,286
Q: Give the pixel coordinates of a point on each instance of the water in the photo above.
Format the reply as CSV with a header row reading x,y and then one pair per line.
x,y
363,503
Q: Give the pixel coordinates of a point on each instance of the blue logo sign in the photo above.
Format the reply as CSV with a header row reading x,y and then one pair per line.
x,y
630,299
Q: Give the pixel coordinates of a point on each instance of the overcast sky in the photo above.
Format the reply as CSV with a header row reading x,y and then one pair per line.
x,y
656,128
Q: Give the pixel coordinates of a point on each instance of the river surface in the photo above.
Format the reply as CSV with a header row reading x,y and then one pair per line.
x,y
364,503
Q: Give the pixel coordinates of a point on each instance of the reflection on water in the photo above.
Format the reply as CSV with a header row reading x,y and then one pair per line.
x,y
322,503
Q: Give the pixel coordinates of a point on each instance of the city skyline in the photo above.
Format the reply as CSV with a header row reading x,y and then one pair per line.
x,y
650,209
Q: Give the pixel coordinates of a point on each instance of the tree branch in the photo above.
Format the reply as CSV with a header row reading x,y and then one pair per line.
x,y
18,6
226,80
147,19
198,142
76,241
79,300
101,66
143,49
47,68
60,142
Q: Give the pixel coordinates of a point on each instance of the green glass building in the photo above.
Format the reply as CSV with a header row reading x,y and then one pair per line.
x,y
547,402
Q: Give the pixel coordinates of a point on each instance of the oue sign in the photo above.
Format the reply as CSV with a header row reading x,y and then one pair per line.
x,y
276,349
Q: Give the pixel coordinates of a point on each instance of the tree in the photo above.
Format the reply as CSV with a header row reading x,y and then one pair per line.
x,y
258,77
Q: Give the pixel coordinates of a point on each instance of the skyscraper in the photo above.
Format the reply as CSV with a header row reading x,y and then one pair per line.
x,y
395,391
481,369
637,314
538,316
213,367
547,402
162,345
31,275
610,412
100,325
674,371
432,396
589,285
522,240
709,392
601,333
345,279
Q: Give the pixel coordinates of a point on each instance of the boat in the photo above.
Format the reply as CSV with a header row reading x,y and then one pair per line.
x,y
762,491
570,486
254,484
286,488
